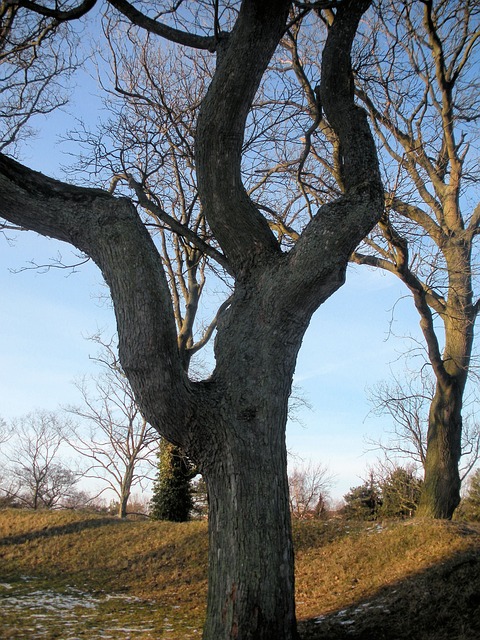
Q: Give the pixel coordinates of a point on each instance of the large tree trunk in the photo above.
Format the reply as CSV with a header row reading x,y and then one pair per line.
x,y
125,491
244,461
122,506
441,491
251,570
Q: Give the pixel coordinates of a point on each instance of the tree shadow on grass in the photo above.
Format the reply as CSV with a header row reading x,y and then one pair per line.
x,y
439,603
58,530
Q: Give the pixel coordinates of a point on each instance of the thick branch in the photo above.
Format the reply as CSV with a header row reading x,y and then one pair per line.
x,y
423,297
369,260
417,215
60,16
236,222
474,224
337,228
169,33
445,85
110,231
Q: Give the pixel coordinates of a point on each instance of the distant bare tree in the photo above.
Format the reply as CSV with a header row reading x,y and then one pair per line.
x,y
37,476
309,491
119,445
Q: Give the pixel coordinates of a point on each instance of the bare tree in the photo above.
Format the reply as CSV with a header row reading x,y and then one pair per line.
x,y
423,103
415,73
119,445
309,491
231,424
37,476
407,403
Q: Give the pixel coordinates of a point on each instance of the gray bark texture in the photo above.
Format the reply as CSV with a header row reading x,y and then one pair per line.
x,y
233,424
441,488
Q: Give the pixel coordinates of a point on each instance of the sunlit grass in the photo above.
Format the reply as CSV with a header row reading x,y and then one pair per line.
x,y
156,573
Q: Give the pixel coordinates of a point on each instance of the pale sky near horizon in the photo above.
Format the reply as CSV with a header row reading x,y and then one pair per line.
x,y
46,318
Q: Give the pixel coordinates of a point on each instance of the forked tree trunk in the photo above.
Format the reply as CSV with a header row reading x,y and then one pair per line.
x,y
232,424
441,491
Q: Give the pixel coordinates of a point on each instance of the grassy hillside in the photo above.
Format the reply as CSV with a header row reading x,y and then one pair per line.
x,y
77,575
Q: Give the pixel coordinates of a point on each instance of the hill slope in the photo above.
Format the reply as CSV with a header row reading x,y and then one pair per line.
x,y
78,575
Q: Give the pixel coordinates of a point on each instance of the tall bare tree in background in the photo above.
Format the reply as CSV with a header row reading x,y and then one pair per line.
x,y
231,424
422,99
416,74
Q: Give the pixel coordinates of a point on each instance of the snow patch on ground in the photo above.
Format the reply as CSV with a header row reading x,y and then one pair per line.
x,y
346,617
44,608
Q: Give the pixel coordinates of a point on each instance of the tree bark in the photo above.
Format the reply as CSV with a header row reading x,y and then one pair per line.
x,y
125,490
242,455
122,507
441,489
251,569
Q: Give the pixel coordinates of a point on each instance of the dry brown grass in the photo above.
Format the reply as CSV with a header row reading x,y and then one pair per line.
x,y
161,564
416,580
